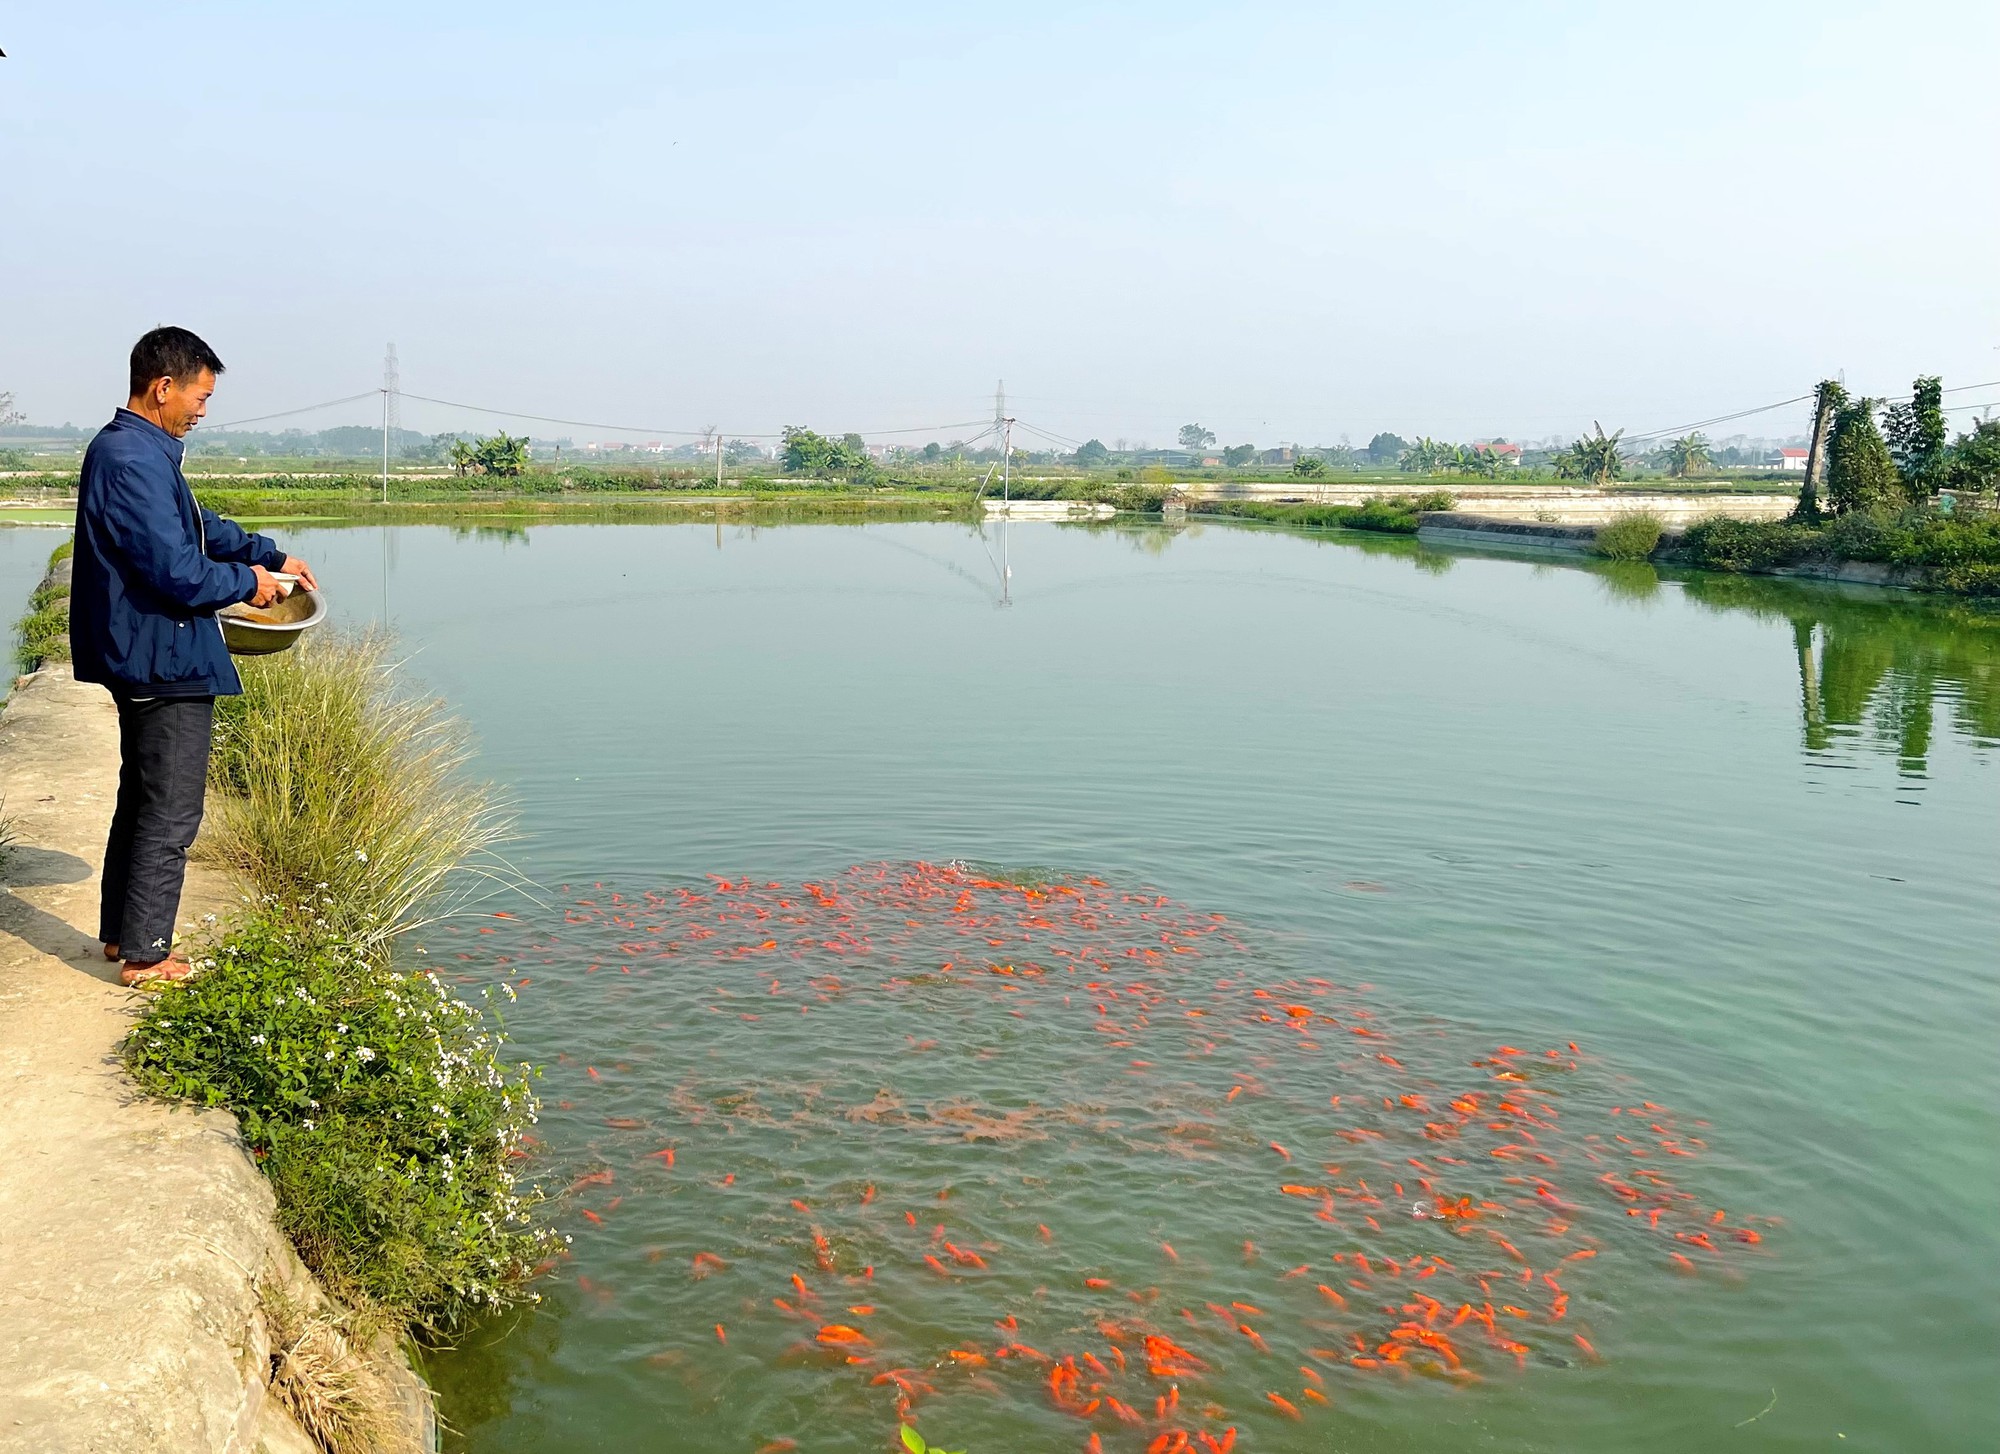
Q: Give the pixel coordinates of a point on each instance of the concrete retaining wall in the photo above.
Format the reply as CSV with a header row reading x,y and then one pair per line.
x,y
1543,504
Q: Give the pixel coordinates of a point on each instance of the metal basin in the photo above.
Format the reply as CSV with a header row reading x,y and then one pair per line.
x,y
259,631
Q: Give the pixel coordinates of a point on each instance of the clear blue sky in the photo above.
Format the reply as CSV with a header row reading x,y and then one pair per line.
x,y
1285,221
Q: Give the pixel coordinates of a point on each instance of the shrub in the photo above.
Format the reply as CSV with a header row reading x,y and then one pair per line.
x,y
376,1103
337,781
1148,498
1630,537
1860,535
1722,543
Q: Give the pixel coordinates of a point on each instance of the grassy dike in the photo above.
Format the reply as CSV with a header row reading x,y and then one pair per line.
x,y
380,1106
1390,515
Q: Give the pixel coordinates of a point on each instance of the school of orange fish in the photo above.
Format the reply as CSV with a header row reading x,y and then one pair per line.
x,y
1421,1203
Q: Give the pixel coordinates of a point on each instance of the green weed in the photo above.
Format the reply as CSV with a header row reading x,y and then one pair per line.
x,y
914,1442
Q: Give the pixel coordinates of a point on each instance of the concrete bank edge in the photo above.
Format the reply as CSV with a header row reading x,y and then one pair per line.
x,y
135,1236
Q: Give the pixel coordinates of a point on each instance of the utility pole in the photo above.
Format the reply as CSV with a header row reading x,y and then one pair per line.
x,y
1006,516
1826,395
718,459
392,411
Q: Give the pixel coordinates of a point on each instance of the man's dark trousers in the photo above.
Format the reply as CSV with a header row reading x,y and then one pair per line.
x,y
162,772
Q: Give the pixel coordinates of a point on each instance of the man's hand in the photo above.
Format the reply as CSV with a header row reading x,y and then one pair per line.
x,y
295,567
269,589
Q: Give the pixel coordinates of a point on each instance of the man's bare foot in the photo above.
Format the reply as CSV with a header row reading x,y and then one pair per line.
x,y
172,967
111,952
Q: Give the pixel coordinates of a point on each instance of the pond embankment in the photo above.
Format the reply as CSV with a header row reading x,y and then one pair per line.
x,y
143,1278
1540,537
1529,504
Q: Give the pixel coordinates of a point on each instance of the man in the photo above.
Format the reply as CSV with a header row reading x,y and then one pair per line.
x,y
152,566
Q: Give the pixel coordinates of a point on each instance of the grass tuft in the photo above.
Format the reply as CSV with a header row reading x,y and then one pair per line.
x,y
1629,537
337,783
44,631
337,1395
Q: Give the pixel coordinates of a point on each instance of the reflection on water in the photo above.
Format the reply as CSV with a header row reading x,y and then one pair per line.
x,y
1874,671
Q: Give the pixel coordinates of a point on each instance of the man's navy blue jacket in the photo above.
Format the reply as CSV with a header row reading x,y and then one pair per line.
x,y
151,568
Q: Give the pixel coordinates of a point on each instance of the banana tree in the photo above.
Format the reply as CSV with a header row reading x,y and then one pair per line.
x,y
1688,455
1595,458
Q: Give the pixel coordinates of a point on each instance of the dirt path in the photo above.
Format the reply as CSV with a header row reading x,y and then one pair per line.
x,y
129,1231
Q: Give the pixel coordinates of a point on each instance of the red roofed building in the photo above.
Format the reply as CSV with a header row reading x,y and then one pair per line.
x,y
1501,450
1790,459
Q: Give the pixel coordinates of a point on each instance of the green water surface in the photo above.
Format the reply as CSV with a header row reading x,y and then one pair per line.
x,y
1736,838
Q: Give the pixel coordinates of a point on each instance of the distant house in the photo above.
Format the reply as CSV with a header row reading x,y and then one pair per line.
x,y
1284,455
1502,451
1789,459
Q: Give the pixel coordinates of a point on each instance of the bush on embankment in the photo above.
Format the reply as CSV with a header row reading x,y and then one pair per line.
x,y
44,631
1629,537
377,1103
1390,514
1956,551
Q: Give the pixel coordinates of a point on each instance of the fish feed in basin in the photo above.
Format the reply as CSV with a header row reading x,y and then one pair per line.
x,y
260,630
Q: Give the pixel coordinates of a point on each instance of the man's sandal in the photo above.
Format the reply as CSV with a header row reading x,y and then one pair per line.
x,y
172,967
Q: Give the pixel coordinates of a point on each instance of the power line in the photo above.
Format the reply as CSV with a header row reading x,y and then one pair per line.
x,y
654,429
1052,437
1719,419
288,413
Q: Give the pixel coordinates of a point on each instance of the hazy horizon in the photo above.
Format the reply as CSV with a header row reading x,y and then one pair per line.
x,y
1287,223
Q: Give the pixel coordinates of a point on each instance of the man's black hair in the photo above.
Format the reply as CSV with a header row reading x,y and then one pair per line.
x,y
170,353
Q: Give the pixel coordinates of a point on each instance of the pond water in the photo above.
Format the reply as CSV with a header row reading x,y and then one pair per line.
x,y
1366,997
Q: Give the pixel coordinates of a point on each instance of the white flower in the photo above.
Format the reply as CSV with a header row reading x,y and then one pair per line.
x,y
309,1125
359,856
257,1039
362,1052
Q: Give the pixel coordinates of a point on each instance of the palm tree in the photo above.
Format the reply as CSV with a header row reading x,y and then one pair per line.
x,y
1688,455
